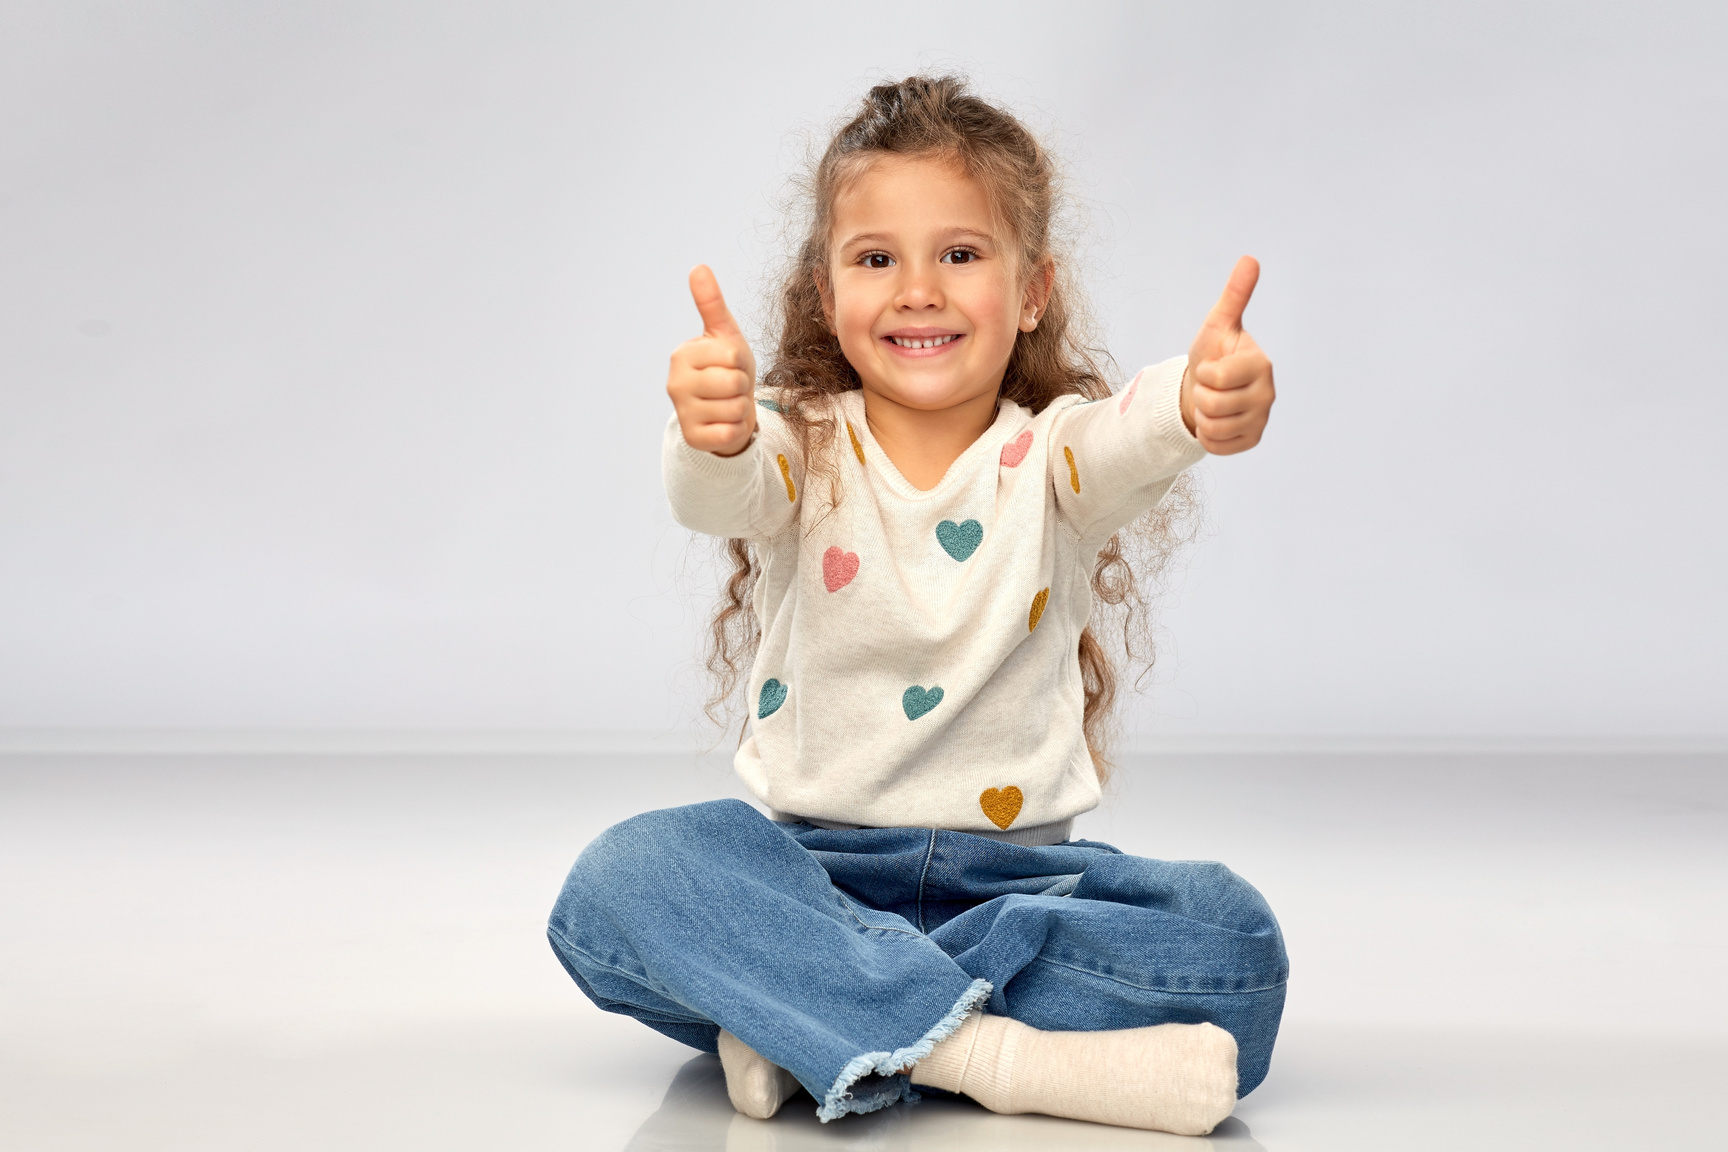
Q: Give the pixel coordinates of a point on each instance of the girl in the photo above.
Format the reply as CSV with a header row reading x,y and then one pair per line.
x,y
923,499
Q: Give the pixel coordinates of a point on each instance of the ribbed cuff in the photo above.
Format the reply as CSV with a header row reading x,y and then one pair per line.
x,y
721,496
977,1060
991,1081
1166,387
945,1066
712,467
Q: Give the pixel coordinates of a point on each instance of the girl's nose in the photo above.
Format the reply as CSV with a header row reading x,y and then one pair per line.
x,y
919,288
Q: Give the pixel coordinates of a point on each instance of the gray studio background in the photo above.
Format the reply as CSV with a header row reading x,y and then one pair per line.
x,y
340,604
333,340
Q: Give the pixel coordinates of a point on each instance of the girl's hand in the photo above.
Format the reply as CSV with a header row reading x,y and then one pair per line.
x,y
1227,391
713,378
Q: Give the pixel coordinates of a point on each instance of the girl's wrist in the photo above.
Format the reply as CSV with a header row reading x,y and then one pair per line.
x,y
1185,400
738,451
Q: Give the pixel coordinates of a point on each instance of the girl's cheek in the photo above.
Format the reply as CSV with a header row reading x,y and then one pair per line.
x,y
854,324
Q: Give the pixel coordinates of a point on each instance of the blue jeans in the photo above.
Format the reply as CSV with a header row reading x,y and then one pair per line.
x,y
844,955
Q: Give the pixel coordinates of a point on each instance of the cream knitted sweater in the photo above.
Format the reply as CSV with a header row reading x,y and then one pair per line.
x,y
918,660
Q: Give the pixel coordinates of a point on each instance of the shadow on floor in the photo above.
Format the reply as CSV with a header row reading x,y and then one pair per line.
x,y
696,1115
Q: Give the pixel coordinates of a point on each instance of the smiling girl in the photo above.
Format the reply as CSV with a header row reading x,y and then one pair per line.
x,y
924,499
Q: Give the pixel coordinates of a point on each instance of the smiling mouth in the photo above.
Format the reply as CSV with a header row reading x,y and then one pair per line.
x,y
926,342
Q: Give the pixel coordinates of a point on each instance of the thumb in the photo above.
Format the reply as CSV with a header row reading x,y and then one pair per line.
x,y
705,290
1227,313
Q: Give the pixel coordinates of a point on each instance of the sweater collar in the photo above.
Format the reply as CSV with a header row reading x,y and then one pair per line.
x,y
1010,418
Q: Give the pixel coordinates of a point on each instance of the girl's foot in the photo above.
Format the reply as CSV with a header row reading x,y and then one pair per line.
x,y
757,1087
1177,1078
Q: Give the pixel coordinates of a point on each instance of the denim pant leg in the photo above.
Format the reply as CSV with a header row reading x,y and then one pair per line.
x,y
1128,942
711,916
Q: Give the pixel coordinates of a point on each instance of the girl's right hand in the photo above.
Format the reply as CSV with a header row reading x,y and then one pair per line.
x,y
713,378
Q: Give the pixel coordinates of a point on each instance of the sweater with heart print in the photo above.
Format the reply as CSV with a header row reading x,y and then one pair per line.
x,y
918,662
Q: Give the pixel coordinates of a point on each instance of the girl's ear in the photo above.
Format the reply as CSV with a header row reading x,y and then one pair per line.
x,y
826,292
1038,288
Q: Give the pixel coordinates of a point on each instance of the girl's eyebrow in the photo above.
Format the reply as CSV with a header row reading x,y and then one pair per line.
x,y
956,233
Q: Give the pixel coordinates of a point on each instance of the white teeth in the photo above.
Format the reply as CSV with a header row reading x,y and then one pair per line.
x,y
932,342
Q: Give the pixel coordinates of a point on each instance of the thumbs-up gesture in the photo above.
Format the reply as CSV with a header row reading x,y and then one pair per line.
x,y
713,378
1227,392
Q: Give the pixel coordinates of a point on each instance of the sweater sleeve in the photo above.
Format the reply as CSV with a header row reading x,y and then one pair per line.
x,y
750,495
1114,459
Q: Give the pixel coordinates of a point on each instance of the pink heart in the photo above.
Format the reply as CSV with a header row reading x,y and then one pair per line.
x,y
1015,450
838,568
1128,396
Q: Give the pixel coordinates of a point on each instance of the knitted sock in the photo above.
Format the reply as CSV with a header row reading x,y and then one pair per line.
x,y
1177,1078
757,1087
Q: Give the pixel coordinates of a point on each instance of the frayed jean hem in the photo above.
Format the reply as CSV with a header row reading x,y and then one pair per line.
x,y
887,1085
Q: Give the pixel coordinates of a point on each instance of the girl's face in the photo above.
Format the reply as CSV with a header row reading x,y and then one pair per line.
x,y
924,293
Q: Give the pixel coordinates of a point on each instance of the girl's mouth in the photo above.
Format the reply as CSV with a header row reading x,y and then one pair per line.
x,y
923,345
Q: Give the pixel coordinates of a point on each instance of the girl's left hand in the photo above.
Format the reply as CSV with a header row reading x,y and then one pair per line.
x,y
1227,391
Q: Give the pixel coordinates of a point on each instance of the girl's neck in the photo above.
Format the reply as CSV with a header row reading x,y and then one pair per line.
x,y
924,444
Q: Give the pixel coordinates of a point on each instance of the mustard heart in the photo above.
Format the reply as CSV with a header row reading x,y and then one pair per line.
x,y
1001,806
1038,603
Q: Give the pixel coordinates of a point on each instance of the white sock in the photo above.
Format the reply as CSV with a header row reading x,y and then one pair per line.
x,y
1177,1078
757,1087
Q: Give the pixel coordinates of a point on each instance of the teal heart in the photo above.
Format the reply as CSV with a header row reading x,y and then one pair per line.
x,y
773,695
916,700
960,540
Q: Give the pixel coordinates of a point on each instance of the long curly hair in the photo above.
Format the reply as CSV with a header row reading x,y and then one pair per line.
x,y
939,118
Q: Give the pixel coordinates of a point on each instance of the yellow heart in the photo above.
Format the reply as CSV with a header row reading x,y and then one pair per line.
x,y
786,475
1037,612
1001,806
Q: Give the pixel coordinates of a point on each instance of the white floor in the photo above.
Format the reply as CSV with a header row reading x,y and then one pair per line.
x,y
323,952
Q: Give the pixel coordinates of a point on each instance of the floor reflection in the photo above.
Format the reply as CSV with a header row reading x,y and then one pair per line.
x,y
696,1115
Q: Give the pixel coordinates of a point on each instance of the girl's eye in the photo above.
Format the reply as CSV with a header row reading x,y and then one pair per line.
x,y
959,256
877,260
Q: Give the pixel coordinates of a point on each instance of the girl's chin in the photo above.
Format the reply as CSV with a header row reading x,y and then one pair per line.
x,y
925,398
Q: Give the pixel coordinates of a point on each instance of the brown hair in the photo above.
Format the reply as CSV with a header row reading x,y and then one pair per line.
x,y
937,117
